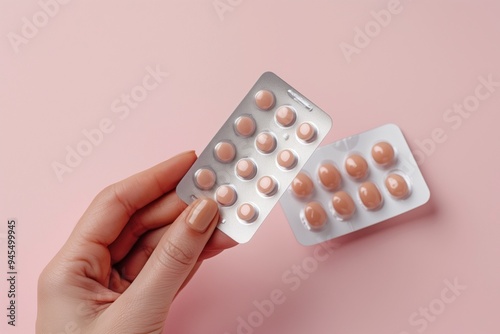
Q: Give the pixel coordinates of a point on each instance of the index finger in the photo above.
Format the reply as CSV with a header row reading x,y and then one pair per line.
x,y
111,209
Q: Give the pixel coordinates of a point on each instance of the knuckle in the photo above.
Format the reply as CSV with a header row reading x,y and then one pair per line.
x,y
176,255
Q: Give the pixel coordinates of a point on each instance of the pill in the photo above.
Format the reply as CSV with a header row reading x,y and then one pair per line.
x,y
246,169
286,159
306,132
265,142
264,99
225,152
383,153
397,186
285,116
204,178
370,195
329,176
267,186
315,215
343,205
225,195
302,185
245,126
356,166
247,212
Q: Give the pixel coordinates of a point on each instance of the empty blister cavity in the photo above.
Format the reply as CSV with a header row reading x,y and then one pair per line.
x,y
356,166
302,186
343,205
329,176
397,186
306,132
226,195
285,116
264,99
286,159
267,185
370,196
315,216
383,153
245,126
225,152
265,142
246,169
204,178
247,212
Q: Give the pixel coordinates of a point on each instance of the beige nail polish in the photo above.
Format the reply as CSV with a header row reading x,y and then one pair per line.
x,y
202,214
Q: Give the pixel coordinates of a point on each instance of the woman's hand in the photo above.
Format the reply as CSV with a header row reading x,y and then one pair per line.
x,y
131,252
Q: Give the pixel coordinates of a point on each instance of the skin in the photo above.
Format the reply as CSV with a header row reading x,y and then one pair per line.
x,y
129,255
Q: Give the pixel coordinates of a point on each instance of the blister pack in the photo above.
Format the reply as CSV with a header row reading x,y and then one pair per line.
x,y
256,154
354,183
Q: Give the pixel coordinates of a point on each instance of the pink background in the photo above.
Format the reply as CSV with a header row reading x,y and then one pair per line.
x,y
425,60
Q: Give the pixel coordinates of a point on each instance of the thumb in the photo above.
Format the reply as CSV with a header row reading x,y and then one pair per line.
x,y
170,263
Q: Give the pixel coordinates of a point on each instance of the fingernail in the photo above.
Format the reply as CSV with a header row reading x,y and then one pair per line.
x,y
202,215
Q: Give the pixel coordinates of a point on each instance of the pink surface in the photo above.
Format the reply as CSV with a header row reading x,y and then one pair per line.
x,y
69,78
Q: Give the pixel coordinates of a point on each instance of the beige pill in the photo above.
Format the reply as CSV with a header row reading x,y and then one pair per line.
x,y
315,215
204,178
245,126
397,186
264,99
225,195
370,195
267,185
225,152
356,166
383,153
286,159
246,169
329,176
247,212
265,142
343,204
302,185
285,116
306,132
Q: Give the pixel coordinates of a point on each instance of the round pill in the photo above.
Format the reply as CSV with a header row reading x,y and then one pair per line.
x,y
306,132
285,116
225,152
302,185
383,153
315,215
266,185
343,204
286,159
204,178
245,126
247,212
264,99
397,186
329,176
265,142
225,195
370,195
246,169
356,166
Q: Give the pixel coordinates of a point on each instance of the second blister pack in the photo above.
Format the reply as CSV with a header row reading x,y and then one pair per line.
x,y
354,183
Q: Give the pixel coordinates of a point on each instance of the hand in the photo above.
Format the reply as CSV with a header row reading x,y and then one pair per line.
x,y
132,251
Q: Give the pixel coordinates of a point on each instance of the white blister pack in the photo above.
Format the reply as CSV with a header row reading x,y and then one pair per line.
x,y
256,154
353,183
